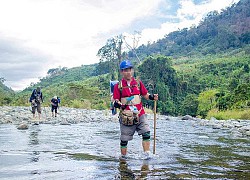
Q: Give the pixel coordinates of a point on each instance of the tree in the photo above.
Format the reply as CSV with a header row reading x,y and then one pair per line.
x,y
132,46
190,105
207,101
159,77
112,53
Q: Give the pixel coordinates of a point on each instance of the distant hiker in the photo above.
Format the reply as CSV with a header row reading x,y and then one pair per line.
x,y
54,105
36,100
127,95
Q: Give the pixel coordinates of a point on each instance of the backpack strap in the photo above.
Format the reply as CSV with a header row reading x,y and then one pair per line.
x,y
121,87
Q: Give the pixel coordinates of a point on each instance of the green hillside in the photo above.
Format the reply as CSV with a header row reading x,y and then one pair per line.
x,y
5,93
216,34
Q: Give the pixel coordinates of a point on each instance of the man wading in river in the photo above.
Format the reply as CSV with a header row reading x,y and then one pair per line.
x,y
36,100
127,95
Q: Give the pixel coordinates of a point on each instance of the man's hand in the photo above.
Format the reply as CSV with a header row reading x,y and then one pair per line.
x,y
153,97
117,104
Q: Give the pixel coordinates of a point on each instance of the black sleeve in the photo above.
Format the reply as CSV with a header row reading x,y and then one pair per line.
x,y
32,96
117,105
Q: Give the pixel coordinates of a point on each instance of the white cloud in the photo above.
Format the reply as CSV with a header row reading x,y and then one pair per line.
x,y
67,29
62,32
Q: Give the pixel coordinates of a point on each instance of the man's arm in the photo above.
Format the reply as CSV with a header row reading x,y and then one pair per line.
x,y
32,96
151,97
117,97
145,94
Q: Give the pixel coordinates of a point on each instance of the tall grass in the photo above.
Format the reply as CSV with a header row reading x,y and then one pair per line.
x,y
229,114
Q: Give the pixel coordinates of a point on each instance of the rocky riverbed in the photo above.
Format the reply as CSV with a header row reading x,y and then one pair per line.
x,y
22,118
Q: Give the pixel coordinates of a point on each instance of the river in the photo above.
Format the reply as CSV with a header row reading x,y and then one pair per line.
x,y
90,150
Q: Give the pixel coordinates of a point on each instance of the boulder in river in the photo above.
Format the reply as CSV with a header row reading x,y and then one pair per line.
x,y
22,126
187,117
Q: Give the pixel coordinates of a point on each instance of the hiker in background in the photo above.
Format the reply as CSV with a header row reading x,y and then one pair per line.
x,y
36,100
127,97
54,105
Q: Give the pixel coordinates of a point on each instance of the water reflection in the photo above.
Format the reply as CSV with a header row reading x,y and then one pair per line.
x,y
34,141
144,169
127,173
33,138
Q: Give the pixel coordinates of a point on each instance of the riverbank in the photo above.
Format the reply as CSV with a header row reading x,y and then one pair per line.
x,y
229,114
22,118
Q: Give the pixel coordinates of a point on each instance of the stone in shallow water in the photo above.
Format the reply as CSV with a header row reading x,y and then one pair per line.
x,y
22,126
187,117
247,133
203,137
217,126
64,122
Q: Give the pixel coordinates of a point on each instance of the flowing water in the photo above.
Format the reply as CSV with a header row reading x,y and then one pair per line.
x,y
184,150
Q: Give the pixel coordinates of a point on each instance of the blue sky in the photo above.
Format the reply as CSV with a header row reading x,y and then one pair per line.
x,y
36,35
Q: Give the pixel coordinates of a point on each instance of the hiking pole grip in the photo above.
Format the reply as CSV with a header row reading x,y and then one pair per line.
x,y
154,126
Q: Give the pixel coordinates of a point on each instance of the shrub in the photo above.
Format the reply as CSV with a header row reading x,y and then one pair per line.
x,y
229,114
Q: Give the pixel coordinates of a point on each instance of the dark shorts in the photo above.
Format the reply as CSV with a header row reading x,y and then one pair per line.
x,y
38,107
54,108
127,132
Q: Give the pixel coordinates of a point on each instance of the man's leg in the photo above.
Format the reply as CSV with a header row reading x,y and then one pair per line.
x,y
52,111
144,130
146,141
39,110
55,111
124,147
127,133
33,111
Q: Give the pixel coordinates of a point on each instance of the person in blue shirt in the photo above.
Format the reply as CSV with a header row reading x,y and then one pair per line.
x,y
36,100
54,105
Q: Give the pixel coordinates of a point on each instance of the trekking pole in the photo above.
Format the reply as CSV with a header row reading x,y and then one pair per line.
x,y
45,113
154,125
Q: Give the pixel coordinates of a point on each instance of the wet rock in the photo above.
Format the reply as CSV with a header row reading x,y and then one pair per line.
x,y
25,119
228,125
187,117
22,126
65,123
246,128
217,126
213,119
247,133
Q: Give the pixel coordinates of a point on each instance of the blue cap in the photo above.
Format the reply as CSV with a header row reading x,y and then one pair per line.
x,y
125,64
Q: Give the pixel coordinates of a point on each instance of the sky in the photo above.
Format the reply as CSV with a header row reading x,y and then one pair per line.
x,y
37,35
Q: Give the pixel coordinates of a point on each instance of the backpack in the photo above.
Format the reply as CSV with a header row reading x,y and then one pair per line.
x,y
121,87
112,85
59,100
36,95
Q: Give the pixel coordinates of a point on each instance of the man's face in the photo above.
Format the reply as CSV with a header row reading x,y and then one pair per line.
x,y
127,73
